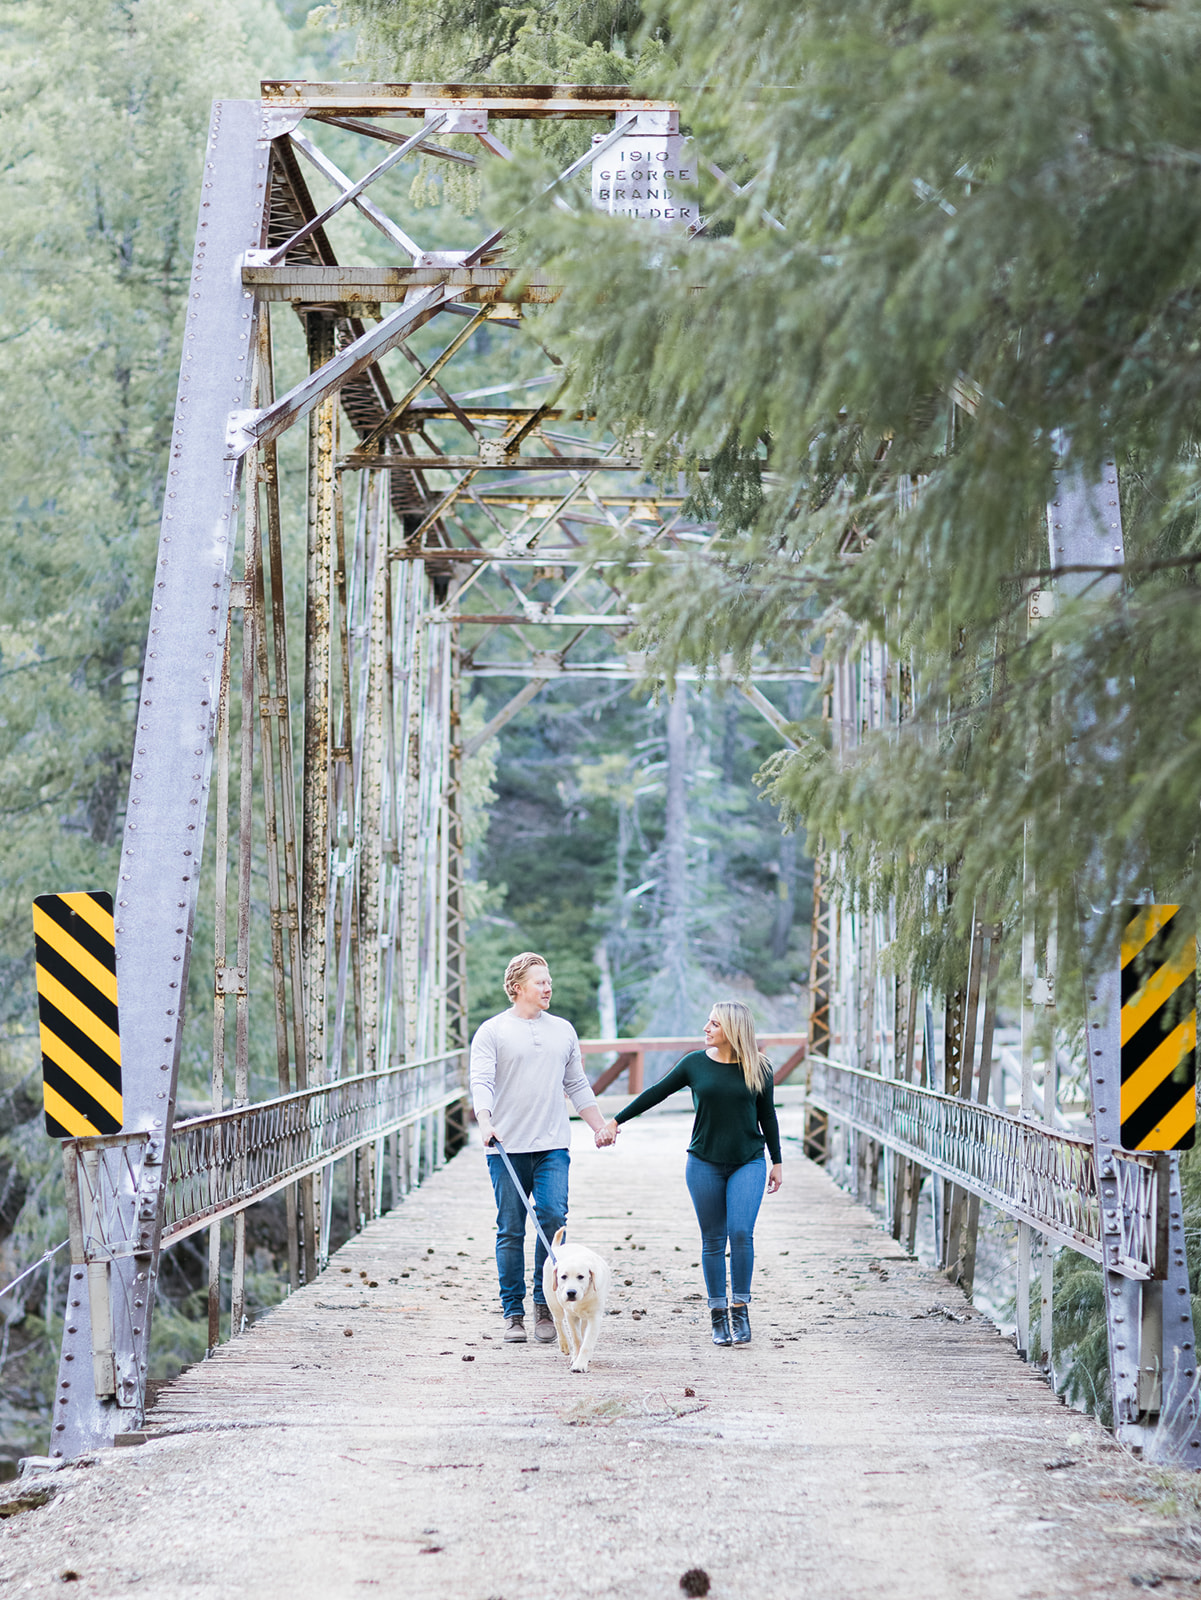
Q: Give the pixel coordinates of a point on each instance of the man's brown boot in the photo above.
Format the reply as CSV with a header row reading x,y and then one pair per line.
x,y
514,1330
544,1325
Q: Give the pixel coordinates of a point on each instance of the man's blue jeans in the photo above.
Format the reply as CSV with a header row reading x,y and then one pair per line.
x,y
543,1175
726,1201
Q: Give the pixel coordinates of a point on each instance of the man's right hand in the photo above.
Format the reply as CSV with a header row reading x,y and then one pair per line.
x,y
484,1123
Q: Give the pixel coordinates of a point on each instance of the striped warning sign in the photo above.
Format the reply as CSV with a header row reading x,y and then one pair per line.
x,y
1159,1031
77,1011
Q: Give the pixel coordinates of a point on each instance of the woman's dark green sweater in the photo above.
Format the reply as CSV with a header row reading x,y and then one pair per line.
x,y
731,1123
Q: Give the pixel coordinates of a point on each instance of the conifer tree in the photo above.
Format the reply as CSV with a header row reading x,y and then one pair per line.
x,y
959,236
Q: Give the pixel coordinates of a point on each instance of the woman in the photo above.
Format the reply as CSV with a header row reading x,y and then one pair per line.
x,y
732,1092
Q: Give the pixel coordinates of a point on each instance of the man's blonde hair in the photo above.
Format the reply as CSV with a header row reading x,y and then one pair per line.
x,y
518,970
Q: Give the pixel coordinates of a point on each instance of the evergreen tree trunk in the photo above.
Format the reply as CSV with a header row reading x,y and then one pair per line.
x,y
729,739
789,857
786,905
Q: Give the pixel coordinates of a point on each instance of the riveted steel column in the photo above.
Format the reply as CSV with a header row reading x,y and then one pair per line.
x,y
374,827
315,849
456,920
169,785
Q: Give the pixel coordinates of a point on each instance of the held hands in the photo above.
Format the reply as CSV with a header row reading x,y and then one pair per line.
x,y
775,1178
606,1135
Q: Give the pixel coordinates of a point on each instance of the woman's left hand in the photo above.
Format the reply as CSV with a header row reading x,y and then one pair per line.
x,y
775,1178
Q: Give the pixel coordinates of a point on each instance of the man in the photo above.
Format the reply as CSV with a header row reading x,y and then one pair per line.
x,y
523,1061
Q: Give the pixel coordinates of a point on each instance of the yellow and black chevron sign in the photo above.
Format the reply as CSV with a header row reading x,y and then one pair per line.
x,y
77,1011
1159,1031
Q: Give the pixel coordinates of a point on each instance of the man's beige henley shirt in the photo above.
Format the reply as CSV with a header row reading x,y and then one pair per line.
x,y
520,1070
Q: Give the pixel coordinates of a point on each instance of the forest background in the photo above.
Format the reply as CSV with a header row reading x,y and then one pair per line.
x,y
103,118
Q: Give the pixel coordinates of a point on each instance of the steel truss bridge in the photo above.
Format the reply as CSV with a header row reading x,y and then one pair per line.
x,y
301,703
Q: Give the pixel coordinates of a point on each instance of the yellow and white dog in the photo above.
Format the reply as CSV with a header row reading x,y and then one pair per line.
x,y
575,1285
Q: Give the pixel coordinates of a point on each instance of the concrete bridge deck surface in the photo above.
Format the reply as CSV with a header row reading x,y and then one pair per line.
x,y
373,1435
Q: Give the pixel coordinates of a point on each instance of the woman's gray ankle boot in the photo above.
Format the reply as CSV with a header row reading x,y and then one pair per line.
x,y
721,1325
740,1321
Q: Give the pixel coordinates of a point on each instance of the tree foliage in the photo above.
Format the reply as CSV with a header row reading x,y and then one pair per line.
x,y
103,115
966,243
474,41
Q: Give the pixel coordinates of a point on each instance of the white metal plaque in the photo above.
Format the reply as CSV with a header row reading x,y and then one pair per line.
x,y
641,176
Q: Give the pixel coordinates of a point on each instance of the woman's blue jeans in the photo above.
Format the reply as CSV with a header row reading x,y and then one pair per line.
x,y
726,1200
543,1175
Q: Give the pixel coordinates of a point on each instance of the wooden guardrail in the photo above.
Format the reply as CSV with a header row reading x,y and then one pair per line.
x,y
631,1056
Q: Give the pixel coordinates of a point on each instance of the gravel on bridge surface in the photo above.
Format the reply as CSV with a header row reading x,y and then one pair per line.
x,y
374,1435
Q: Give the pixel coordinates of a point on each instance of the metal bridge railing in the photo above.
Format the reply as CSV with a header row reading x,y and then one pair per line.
x,y
222,1163
1031,1172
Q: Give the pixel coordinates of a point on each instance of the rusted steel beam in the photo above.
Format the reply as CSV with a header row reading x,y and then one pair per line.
x,y
546,664
296,281
539,502
427,375
486,463
374,131
379,219
561,101
551,619
430,411
352,191
317,740
248,427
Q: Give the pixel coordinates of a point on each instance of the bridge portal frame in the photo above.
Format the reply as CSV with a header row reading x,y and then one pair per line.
x,y
355,779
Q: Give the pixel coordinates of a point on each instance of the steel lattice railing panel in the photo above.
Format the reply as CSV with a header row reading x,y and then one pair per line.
x,y
221,1163
1027,1170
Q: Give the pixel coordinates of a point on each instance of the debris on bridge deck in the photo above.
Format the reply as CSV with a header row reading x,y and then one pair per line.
x,y
374,1435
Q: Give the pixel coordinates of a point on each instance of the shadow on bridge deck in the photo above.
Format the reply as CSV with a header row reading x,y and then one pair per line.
x,y
373,1434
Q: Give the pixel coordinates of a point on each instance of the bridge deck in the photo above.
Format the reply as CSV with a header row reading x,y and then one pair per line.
x,y
865,1445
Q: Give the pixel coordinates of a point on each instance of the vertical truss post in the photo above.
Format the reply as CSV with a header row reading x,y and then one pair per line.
x,y
952,1068
817,1123
456,920
906,1026
164,831
220,908
241,974
957,1197
1152,1354
456,885
372,827
315,897
1025,1238
414,642
991,933
274,725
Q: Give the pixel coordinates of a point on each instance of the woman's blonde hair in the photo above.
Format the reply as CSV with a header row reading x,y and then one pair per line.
x,y
739,1028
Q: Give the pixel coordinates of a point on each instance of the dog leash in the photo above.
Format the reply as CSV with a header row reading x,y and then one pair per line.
x,y
526,1201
